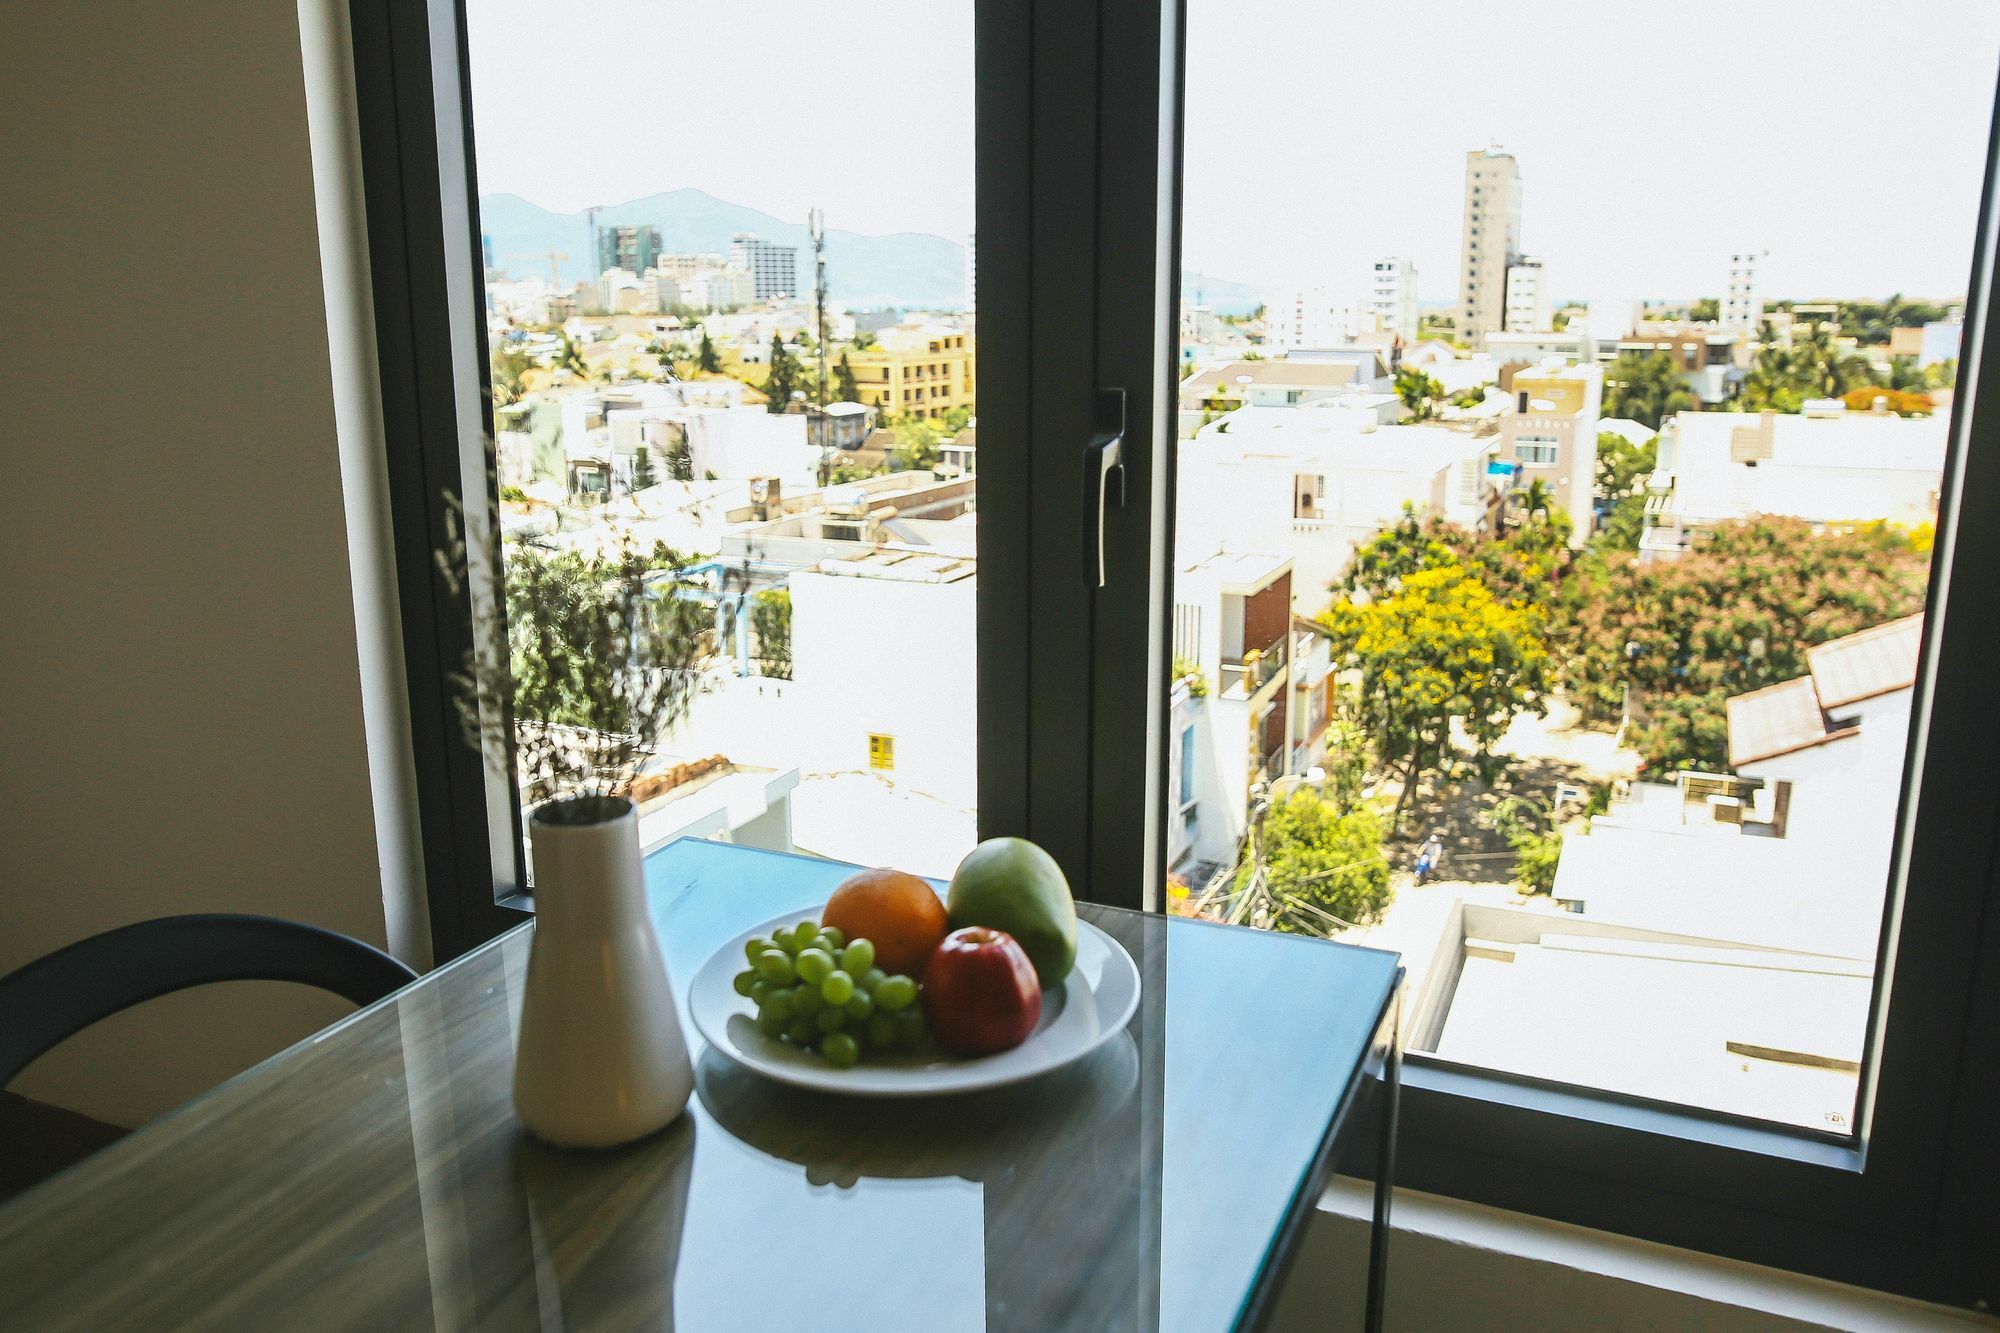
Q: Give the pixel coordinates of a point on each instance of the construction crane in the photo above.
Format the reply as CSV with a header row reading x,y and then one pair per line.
x,y
554,257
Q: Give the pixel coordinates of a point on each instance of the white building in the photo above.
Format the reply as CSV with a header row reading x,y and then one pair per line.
x,y
1529,309
1315,317
773,268
1392,297
1313,483
883,664
1490,244
1742,305
1722,933
1829,467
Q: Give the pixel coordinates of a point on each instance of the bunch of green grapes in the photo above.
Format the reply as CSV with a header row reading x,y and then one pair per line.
x,y
820,991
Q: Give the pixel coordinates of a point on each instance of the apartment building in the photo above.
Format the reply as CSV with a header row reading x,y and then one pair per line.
x,y
1392,297
1491,242
1550,436
921,371
633,248
1742,306
773,268
1529,309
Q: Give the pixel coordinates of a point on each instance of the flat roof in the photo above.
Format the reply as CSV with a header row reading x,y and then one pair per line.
x,y
1241,572
882,562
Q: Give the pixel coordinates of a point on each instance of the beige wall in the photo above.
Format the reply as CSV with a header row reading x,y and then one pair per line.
x,y
182,727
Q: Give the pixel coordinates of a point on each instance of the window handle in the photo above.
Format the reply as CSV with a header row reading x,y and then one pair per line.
x,y
1103,479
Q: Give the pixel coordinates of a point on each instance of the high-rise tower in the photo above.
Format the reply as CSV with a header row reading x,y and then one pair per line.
x,y
1491,242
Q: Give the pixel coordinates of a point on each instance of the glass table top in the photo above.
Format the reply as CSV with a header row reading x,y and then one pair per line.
x,y
375,1176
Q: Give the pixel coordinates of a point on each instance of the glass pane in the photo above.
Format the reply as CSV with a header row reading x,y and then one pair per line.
x,y
723,341
1555,518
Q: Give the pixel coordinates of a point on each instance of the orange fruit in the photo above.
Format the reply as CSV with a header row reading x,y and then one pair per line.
x,y
898,913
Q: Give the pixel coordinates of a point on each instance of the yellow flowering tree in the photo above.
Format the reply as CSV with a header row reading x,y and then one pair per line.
x,y
1439,646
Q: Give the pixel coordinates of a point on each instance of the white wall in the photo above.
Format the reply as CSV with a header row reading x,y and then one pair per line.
x,y
890,657
182,663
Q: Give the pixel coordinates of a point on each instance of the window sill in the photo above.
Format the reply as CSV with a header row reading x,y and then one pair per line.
x,y
1461,1265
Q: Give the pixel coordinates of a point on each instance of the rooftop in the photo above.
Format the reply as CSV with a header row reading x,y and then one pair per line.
x,y
1242,573
1307,374
888,563
1862,666
1777,719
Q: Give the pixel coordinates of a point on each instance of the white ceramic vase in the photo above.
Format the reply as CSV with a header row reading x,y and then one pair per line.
x,y
602,1059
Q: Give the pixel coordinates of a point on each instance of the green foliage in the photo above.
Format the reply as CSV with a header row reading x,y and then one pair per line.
x,y
1624,526
1316,855
513,495
680,460
786,377
919,444
1439,647
1707,310
1870,322
1782,378
601,660
1525,567
706,358
1531,832
1197,683
1942,375
510,364
1345,762
643,473
771,622
845,389
1645,387
1734,614
1622,466
1419,392
570,357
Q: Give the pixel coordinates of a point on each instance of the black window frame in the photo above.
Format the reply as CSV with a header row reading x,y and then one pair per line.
x,y
1065,90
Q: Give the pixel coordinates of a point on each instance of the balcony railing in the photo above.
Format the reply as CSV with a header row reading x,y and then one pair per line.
x,y
1253,673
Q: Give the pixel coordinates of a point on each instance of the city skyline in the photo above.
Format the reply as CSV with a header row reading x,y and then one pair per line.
x,y
1636,184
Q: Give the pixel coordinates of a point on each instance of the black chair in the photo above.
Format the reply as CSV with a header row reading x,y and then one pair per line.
x,y
56,997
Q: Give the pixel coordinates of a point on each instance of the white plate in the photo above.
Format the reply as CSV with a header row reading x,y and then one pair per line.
x,y
1093,1004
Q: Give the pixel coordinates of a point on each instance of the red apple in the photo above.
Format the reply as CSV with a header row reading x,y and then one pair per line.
x,y
981,994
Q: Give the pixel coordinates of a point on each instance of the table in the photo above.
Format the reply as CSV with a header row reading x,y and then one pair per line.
x,y
374,1175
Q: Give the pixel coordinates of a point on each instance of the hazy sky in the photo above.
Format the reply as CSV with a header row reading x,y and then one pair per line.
x,y
1845,138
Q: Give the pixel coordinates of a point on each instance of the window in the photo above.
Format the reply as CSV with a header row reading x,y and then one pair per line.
x,y
1078,139
1536,450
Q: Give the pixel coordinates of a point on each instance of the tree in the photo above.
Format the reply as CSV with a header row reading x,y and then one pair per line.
x,y
1537,501
680,459
1319,861
919,444
1737,612
1525,567
784,378
1906,375
1439,648
510,365
643,475
771,622
845,388
1532,832
570,357
705,358
1782,378
1622,466
1645,387
1419,392
1706,310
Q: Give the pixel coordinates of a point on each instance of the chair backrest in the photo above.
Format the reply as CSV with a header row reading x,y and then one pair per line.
x,y
56,997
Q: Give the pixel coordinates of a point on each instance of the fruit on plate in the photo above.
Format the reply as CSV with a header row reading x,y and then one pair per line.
x,y
980,992
899,914
1010,884
819,988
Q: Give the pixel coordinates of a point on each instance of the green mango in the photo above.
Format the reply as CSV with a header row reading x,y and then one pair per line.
x,y
1011,884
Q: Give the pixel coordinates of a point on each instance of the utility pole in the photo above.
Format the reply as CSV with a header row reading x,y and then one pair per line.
x,y
817,221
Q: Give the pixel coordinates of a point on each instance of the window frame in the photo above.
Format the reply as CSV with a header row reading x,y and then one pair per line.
x,y
1063,91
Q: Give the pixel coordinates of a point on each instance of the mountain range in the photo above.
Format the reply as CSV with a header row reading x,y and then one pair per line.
x,y
903,269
